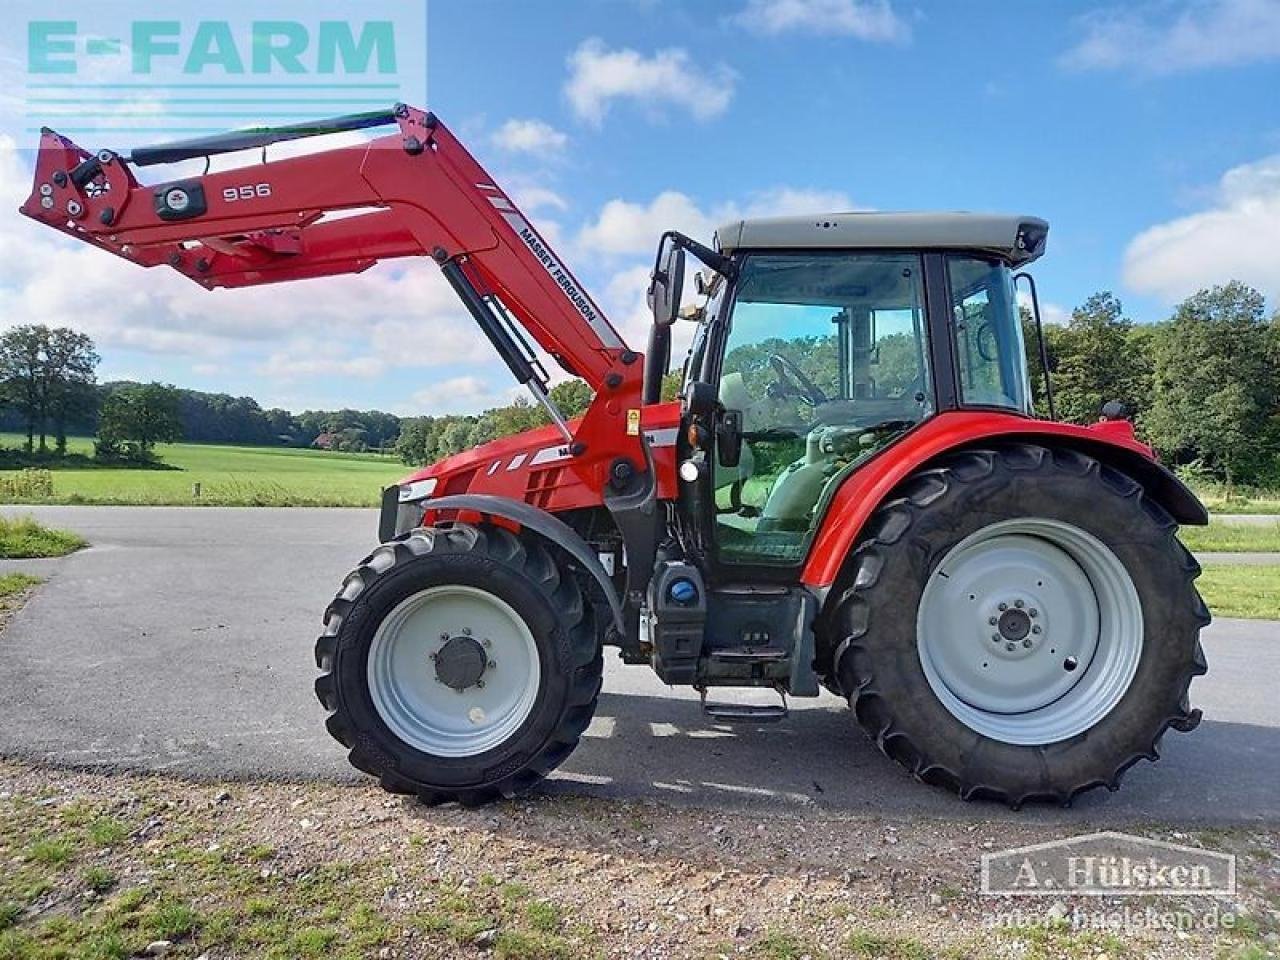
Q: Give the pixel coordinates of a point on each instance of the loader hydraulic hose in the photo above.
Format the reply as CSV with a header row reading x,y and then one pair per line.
x,y
255,137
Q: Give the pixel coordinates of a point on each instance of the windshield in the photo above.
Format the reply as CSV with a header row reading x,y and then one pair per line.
x,y
831,338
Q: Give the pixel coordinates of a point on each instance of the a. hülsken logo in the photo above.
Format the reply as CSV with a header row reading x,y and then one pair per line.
x,y
1108,864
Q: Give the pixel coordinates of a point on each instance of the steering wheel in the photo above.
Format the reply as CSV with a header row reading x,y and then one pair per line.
x,y
796,380
988,347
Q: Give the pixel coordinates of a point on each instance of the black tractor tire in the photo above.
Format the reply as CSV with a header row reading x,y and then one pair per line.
x,y
868,636
524,574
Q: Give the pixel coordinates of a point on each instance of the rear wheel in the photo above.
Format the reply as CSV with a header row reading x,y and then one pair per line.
x,y
1020,623
459,663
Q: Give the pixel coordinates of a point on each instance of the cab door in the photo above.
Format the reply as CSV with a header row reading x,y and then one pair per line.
x,y
821,360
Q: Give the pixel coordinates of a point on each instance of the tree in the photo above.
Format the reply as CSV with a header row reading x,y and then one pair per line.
x,y
47,373
68,381
1216,388
1095,361
572,397
21,369
454,437
137,417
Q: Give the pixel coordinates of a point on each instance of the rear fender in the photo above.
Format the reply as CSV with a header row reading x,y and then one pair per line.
x,y
874,482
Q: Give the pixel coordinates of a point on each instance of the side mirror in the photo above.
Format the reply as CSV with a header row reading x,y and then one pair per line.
x,y
666,284
729,438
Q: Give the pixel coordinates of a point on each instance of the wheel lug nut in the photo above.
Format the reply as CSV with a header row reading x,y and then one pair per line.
x,y
444,637
1010,647
479,683
1018,604
487,642
1035,629
466,631
1033,613
1003,607
993,621
995,638
491,664
1027,643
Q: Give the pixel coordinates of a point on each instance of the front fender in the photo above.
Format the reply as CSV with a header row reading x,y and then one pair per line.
x,y
544,524
1112,443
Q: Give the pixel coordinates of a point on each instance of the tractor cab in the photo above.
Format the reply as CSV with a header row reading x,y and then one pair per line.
x,y
824,339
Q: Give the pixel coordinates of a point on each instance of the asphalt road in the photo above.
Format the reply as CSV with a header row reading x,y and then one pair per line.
x,y
181,642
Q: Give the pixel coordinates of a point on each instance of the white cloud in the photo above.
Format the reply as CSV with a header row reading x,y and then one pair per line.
x,y
626,227
530,136
872,20
1206,33
1235,239
629,232
1051,314
532,197
671,78
304,364
464,394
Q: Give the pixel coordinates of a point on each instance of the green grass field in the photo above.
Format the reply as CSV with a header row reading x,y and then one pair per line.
x,y
1238,591
227,475
1221,537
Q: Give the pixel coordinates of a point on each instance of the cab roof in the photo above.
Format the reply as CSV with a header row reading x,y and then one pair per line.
x,y
1017,239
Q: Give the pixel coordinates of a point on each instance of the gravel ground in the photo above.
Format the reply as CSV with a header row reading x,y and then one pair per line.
x,y
272,870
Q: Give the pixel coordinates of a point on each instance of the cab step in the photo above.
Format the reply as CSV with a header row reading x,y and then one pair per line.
x,y
744,712
748,655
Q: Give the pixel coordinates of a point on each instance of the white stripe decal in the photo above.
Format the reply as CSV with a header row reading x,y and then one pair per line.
x,y
517,461
590,312
549,455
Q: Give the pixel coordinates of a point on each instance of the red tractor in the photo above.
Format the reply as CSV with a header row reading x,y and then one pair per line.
x,y
853,492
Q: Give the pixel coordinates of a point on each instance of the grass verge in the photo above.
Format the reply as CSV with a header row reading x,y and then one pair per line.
x,y
23,537
1219,537
1236,590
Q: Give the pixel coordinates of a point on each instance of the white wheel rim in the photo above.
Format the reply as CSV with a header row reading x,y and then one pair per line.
x,y
1030,631
422,709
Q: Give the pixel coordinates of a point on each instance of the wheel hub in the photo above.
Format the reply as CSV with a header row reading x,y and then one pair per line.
x,y
460,663
1014,625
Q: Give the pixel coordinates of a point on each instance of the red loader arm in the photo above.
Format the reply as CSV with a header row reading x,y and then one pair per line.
x,y
414,193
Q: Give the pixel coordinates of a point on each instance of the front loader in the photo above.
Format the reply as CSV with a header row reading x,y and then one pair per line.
x,y
854,490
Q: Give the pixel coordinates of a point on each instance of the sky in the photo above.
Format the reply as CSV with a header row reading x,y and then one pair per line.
x,y
1147,133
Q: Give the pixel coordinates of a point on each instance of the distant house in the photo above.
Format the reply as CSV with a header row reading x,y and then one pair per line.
x,y
325,441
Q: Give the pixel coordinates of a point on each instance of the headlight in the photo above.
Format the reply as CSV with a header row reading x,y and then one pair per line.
x,y
417,490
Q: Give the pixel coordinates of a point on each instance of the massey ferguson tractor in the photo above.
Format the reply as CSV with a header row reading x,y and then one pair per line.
x,y
854,490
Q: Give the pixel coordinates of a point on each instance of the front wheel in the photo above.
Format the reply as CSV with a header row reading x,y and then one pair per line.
x,y
459,663
1020,623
